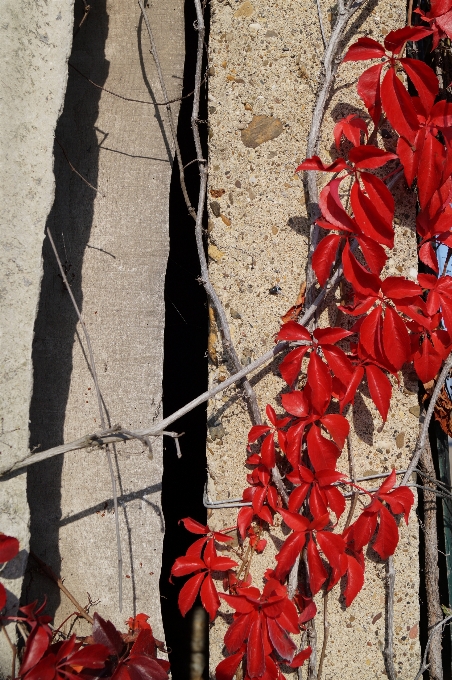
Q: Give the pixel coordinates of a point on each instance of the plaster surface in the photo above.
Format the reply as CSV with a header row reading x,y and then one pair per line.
x,y
113,241
264,59
35,41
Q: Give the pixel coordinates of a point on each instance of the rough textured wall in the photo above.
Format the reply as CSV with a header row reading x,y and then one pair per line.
x,y
114,245
265,59
35,41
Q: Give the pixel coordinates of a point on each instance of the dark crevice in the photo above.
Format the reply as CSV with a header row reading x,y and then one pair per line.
x,y
184,371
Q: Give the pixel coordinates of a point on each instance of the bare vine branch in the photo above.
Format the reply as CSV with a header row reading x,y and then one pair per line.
x,y
439,626
388,652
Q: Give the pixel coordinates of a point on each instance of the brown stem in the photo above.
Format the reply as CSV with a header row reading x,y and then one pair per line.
x,y
434,611
326,634
388,652
48,571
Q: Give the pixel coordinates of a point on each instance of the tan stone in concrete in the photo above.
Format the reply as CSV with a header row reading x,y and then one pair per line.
x,y
277,53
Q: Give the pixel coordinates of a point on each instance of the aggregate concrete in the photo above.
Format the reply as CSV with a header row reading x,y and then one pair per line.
x,y
35,41
264,58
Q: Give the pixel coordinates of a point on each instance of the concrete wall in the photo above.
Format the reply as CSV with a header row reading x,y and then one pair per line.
x,y
35,41
265,56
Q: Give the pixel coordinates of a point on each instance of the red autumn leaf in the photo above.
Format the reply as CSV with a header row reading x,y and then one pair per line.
x,y
209,596
189,591
398,106
380,389
9,547
369,89
329,336
325,256
337,426
395,40
301,657
227,668
398,288
315,163
388,535
424,80
363,282
194,527
355,579
368,156
396,340
256,432
317,572
323,453
363,49
293,331
319,379
351,127
105,633
290,366
332,209
370,219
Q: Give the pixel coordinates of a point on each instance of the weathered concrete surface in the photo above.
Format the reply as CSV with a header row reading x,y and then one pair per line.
x,y
35,41
265,58
114,243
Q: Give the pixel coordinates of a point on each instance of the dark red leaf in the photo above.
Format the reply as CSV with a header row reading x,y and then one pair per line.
x,y
315,163
337,426
280,640
320,382
363,282
396,340
395,40
424,80
373,252
268,451
398,288
91,656
144,668
317,572
355,580
301,657
189,591
209,596
244,519
185,565
255,657
9,547
290,366
332,208
322,452
370,218
105,633
325,256
227,668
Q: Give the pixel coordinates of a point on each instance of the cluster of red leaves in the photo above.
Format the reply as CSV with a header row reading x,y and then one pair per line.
x,y
106,653
396,321
9,548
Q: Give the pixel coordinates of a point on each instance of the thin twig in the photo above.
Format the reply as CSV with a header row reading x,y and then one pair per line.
x,y
388,652
322,30
72,167
130,99
326,634
172,124
351,462
428,416
424,664
48,571
89,440
92,365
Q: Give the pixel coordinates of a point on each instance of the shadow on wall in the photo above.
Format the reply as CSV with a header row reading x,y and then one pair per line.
x,y
55,328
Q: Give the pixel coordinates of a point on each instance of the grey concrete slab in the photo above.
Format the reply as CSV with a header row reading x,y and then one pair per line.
x,y
35,41
114,245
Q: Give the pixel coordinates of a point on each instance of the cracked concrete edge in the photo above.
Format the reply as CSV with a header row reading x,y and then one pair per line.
x,y
35,43
264,59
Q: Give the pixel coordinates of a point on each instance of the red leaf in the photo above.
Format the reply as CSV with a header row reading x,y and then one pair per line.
x,y
409,157
194,527
296,403
227,668
332,546
237,633
400,500
286,557
369,90
363,529
294,520
430,171
290,366
355,580
144,668
332,208
256,432
369,156
338,362
325,256
323,453
255,655
382,199
364,48
351,127
281,640
329,336
3,597
320,382
424,80
369,217
427,361
373,252
145,642
91,656
301,657
315,163
398,288
209,596
337,426
398,106
185,565
189,591
317,572
395,40
353,385
37,644
388,535
363,282
292,331
244,519
105,633
9,547
396,340
427,255
222,563
380,389
268,451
